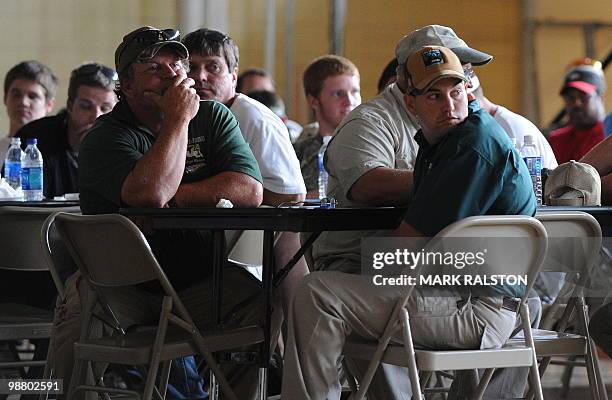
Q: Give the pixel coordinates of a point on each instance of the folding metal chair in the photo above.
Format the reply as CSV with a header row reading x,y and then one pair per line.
x,y
111,253
21,251
524,260
574,244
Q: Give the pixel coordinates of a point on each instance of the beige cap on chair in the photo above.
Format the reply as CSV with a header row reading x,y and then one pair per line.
x,y
573,184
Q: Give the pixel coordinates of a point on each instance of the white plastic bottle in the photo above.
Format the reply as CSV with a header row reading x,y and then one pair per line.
x,y
533,159
12,164
32,173
323,175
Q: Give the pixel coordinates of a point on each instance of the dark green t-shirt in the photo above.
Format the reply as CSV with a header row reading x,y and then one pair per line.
x,y
117,141
473,170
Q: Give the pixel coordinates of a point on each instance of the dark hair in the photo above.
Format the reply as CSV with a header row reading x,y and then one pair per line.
x,y
32,71
270,100
250,72
209,42
388,73
323,67
91,74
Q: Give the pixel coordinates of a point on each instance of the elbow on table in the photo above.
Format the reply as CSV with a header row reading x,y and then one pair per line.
x,y
252,194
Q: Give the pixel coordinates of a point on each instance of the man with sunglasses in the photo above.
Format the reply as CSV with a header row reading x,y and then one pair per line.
x,y
91,93
161,146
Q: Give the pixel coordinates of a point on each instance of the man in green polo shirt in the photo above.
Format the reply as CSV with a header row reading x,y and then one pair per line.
x,y
466,166
162,147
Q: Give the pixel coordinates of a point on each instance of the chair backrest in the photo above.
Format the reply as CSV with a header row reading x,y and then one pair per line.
x,y
110,251
20,232
513,243
60,263
492,231
574,241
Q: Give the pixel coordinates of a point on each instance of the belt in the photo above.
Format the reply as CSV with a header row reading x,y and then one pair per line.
x,y
511,304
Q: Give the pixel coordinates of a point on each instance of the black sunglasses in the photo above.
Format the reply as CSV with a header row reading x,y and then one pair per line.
x,y
93,69
155,36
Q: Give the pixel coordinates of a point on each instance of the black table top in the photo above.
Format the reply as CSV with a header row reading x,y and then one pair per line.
x,y
43,203
295,219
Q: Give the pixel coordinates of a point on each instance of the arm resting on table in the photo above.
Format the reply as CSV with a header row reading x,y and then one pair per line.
x,y
383,187
241,189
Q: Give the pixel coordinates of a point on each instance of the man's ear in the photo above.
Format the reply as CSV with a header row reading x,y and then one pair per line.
x,y
313,102
409,100
235,77
49,105
126,86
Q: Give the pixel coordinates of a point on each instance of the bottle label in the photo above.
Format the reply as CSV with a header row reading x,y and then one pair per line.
x,y
13,173
31,178
534,165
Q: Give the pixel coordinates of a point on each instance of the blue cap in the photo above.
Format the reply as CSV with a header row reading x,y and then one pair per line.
x,y
32,141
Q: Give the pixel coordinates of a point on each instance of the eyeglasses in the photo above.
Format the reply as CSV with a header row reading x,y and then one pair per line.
x,y
92,69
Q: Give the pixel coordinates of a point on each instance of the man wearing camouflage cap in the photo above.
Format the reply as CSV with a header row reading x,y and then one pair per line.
x,y
162,147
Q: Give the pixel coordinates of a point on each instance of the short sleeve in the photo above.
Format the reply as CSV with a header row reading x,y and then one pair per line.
x,y
107,155
358,147
228,150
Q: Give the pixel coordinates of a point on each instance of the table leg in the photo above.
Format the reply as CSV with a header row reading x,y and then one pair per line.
x,y
267,273
217,277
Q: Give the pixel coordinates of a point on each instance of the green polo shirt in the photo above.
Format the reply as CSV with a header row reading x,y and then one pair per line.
x,y
473,170
117,141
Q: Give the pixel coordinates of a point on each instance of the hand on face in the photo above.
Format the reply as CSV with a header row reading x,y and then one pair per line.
x,y
179,99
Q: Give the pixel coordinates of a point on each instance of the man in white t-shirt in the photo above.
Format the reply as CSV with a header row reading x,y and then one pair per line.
x,y
213,59
515,125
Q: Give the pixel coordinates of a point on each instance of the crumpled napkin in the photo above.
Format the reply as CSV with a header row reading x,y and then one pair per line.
x,y
224,203
7,192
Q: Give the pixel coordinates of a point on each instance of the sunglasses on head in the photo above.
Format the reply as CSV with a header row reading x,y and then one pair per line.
x,y
93,69
155,36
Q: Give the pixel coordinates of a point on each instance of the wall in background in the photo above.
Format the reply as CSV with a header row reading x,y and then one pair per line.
x,y
64,33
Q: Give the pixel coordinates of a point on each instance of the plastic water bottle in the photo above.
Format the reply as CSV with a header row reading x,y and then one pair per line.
x,y
32,173
533,159
12,164
323,175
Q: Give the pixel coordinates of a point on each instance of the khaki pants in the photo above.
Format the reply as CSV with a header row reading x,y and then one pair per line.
x,y
241,305
330,306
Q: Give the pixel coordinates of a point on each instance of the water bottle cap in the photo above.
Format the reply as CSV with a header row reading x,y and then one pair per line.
x,y
528,139
32,141
15,140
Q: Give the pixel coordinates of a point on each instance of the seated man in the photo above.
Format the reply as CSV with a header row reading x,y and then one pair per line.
x,y
91,93
257,80
331,84
583,93
466,165
159,147
254,79
214,61
29,94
